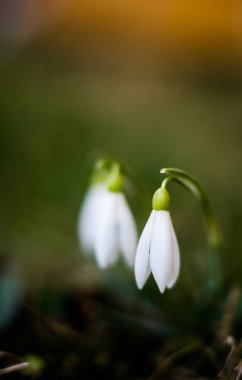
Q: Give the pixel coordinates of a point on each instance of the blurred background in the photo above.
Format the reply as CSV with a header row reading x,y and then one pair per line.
x,y
154,84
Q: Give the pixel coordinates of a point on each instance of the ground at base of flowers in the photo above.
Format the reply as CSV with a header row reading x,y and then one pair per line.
x,y
96,337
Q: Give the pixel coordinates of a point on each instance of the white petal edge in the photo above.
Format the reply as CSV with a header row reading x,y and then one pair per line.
x,y
142,260
175,260
127,231
89,217
161,249
106,244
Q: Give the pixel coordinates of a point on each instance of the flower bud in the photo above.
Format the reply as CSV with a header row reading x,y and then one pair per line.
x,y
161,200
115,180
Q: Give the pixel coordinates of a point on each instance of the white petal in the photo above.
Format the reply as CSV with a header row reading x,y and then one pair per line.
x,y
142,259
89,216
106,245
127,231
175,260
161,249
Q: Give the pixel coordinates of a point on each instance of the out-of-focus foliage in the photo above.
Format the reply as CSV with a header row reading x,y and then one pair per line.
x,y
11,290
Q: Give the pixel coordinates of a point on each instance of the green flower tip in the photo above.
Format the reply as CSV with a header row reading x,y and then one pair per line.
x,y
161,200
115,179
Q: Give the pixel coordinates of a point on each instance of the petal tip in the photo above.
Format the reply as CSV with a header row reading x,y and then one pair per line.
x,y
162,289
139,285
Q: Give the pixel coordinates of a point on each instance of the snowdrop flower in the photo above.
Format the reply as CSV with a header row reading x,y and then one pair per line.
x,y
116,233
158,250
106,226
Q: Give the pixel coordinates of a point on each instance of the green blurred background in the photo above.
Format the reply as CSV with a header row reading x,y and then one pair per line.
x,y
151,85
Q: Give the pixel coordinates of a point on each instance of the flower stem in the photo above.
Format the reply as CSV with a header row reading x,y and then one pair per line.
x,y
191,184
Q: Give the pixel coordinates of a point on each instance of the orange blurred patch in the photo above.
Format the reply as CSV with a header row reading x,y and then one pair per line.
x,y
200,27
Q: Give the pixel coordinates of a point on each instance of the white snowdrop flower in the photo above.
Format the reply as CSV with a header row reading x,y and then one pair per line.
x,y
116,233
89,216
106,226
158,250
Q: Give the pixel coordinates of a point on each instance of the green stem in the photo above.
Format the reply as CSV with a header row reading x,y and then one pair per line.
x,y
191,184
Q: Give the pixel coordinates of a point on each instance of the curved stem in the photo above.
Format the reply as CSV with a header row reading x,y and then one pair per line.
x,y
191,184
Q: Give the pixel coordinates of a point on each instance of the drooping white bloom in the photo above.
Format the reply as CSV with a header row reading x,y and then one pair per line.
x,y
106,227
89,216
116,233
158,251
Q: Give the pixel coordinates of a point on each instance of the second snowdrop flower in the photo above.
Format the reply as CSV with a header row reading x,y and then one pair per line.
x,y
116,233
158,250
